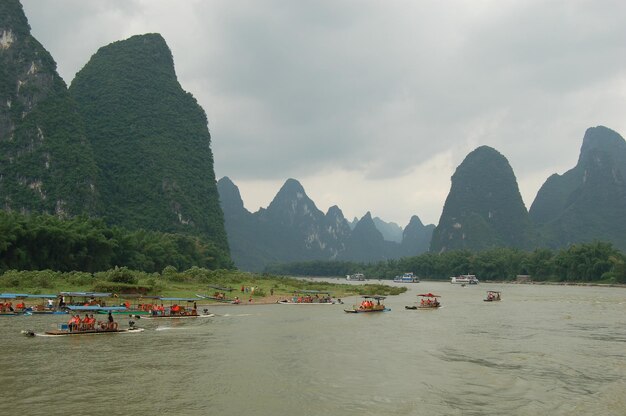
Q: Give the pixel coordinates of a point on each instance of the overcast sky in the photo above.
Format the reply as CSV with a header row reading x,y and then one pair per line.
x,y
372,105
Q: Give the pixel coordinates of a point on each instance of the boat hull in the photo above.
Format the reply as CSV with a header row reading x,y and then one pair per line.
x,y
366,310
62,333
422,307
159,317
284,302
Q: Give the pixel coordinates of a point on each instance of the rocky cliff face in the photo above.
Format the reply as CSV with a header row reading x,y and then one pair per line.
x,y
589,201
292,228
416,237
484,207
46,163
150,140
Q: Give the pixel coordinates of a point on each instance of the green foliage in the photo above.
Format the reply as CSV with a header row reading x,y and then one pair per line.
x,y
38,242
114,287
592,262
152,145
484,208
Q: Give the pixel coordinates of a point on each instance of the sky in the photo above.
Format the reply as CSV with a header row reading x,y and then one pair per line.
x,y
371,105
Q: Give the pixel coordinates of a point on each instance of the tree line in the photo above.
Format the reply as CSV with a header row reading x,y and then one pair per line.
x,y
39,242
589,262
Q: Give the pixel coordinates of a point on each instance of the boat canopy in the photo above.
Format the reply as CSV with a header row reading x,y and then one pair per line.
x,y
493,291
42,296
88,294
428,295
225,289
137,296
96,308
13,295
179,299
377,297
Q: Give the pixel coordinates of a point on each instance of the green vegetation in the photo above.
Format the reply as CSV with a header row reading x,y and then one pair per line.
x,y
484,208
170,282
40,242
592,262
150,141
46,165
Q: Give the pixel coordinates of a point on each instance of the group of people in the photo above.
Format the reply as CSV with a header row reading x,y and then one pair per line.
x,y
493,296
6,307
434,303
175,309
88,323
367,304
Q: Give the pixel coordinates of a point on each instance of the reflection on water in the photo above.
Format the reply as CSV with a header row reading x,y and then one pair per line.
x,y
542,350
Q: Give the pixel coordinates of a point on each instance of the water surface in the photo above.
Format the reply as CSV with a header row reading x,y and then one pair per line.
x,y
555,350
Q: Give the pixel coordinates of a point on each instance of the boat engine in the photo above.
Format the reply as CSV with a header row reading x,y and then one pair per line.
x,y
131,324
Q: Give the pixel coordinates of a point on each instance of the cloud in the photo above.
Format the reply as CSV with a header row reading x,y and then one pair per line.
x,y
362,96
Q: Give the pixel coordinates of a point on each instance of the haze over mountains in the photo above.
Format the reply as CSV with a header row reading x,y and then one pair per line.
x,y
484,209
127,144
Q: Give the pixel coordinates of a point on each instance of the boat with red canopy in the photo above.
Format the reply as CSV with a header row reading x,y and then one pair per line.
x,y
427,301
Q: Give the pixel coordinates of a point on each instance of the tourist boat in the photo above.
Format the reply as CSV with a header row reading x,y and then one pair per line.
x,y
469,279
368,305
427,301
309,297
220,295
407,278
7,308
97,328
134,303
177,311
356,277
493,296
46,305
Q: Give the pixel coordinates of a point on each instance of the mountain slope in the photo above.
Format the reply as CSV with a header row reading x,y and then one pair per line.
x,y
46,163
150,140
484,207
589,201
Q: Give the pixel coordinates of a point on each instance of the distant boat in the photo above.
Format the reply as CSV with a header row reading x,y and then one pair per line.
x,y
309,297
469,279
407,278
356,276
493,296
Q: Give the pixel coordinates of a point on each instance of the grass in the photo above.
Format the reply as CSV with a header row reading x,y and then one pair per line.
x,y
172,283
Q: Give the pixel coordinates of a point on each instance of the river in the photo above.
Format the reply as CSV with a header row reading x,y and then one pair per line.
x,y
557,350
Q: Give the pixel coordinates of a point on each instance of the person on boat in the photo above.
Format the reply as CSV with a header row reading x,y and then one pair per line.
x,y
74,323
84,323
112,324
236,301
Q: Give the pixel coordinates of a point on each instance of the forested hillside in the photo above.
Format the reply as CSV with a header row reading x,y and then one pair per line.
x,y
46,163
484,208
592,262
38,242
150,140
